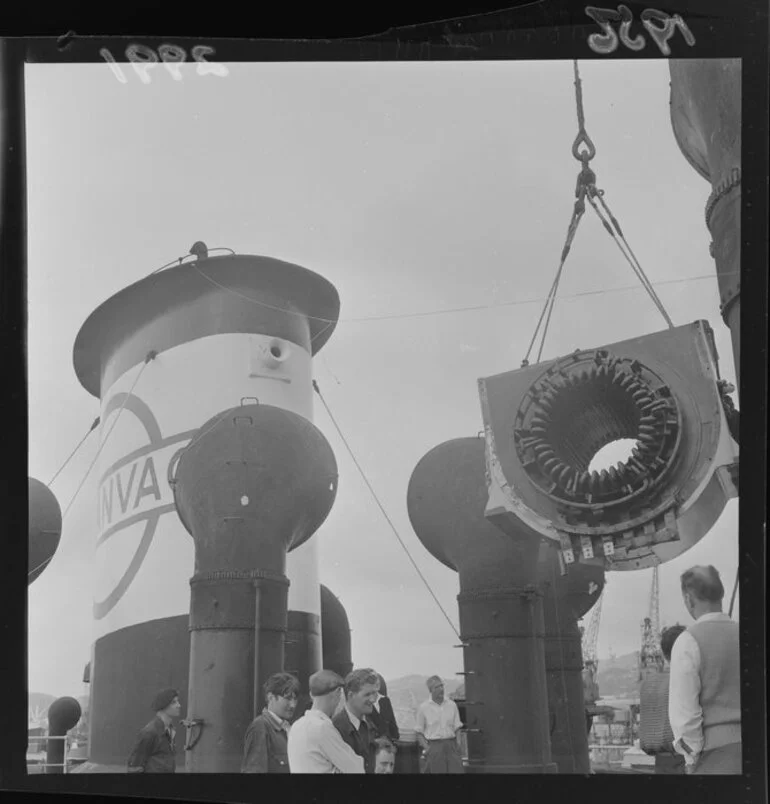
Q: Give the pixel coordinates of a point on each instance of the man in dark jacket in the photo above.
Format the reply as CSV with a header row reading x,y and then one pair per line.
x,y
382,716
352,721
154,751
265,746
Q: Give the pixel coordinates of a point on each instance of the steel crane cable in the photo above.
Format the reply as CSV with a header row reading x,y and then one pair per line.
x,y
586,189
382,509
593,192
577,214
586,179
627,251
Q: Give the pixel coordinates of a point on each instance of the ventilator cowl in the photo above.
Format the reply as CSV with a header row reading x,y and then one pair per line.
x,y
254,482
45,523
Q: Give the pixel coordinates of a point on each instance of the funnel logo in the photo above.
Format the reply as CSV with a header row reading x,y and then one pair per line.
x,y
130,492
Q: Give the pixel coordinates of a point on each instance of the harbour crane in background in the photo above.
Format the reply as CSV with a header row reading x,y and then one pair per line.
x,y
650,655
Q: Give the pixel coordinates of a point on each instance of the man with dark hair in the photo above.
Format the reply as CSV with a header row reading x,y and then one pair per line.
x,y
154,751
384,756
705,696
382,715
265,746
655,735
352,721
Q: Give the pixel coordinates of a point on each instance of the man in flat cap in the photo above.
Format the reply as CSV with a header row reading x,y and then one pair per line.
x,y
704,702
438,731
154,751
315,745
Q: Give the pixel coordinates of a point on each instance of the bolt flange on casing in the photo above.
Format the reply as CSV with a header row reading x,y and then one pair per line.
x,y
545,423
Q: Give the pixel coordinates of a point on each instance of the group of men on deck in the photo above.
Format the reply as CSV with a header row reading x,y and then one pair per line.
x,y
351,726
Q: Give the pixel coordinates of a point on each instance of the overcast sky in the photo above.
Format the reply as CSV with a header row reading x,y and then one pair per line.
x,y
413,187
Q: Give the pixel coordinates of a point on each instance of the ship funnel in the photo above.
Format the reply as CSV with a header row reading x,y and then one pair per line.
x,y
336,634
255,482
501,609
335,651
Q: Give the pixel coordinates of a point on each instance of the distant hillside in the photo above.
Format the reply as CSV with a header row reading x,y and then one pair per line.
x,y
39,701
408,692
618,678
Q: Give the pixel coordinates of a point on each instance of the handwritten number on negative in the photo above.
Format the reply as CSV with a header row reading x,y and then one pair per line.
x,y
172,56
607,41
143,59
661,35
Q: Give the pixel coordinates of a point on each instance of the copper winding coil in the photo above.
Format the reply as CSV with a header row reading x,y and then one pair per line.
x,y
546,403
565,473
626,381
566,430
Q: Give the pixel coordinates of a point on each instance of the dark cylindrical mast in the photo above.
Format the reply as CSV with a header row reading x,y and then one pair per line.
x,y
706,118
500,606
566,598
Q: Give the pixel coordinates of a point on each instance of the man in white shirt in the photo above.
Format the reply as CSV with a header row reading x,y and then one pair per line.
x,y
438,731
704,704
315,745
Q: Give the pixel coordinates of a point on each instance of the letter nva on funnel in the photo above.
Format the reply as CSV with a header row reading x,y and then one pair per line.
x,y
222,329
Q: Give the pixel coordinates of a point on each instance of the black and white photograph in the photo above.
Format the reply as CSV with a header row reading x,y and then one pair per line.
x,y
384,416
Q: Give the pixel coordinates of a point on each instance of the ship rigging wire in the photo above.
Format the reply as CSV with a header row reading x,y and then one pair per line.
x,y
150,356
72,454
382,508
466,309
